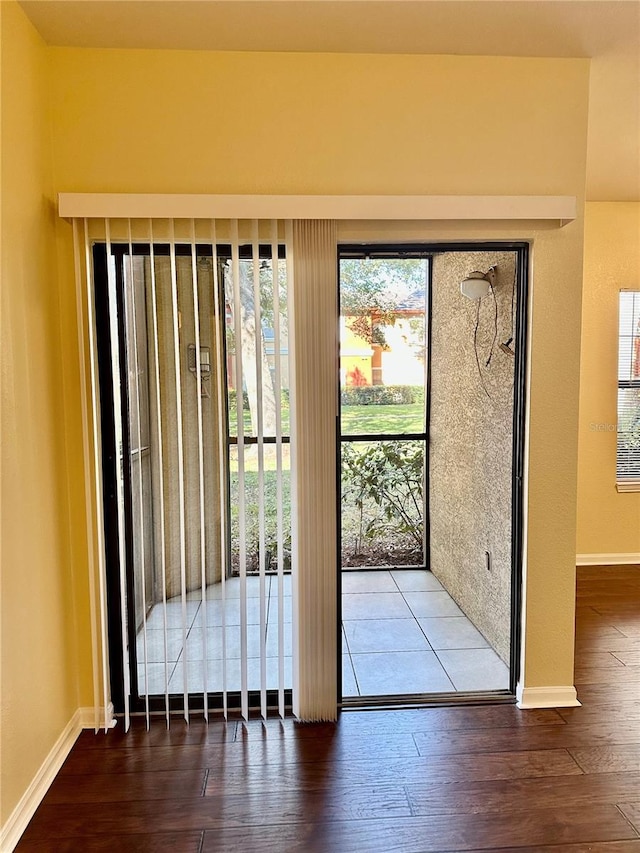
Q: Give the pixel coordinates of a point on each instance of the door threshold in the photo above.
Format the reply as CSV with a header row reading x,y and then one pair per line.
x,y
427,700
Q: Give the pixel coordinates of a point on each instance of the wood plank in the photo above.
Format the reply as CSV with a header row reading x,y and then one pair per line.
x,y
430,835
599,659
586,643
175,842
450,768
602,694
603,675
540,737
603,847
631,810
518,794
608,759
262,808
630,657
100,787
618,714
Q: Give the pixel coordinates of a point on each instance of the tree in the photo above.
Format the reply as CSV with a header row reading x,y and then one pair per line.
x,y
250,335
372,290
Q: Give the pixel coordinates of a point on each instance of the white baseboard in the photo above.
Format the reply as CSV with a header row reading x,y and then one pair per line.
x,y
32,797
84,718
607,559
546,697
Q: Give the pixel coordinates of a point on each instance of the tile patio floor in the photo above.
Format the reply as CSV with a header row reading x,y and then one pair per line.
x,y
401,634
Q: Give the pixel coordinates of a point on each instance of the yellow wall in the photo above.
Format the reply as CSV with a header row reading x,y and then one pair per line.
x,y
38,685
163,121
608,522
178,121
171,121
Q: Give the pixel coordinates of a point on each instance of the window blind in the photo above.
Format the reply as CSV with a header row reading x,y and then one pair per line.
x,y
628,431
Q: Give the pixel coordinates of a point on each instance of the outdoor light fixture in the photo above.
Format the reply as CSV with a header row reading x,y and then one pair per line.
x,y
478,284
506,347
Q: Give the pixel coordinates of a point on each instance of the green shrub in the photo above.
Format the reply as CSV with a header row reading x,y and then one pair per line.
x,y
389,475
382,395
233,400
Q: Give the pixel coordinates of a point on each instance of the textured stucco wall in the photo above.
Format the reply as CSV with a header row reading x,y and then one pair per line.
x,y
470,450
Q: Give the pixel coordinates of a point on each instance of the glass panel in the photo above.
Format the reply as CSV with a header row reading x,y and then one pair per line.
x,y
628,433
139,437
383,335
629,312
628,443
382,503
271,396
625,359
251,508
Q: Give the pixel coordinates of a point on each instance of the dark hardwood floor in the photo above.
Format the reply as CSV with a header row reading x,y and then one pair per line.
x,y
435,779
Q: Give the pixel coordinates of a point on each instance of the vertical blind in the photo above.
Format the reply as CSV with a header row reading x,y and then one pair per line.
x,y
226,523
315,312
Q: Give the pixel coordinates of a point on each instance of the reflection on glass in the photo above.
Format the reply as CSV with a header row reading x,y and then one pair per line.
x,y
382,503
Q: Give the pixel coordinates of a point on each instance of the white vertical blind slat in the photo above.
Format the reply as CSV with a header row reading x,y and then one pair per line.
x,y
237,316
315,310
97,525
203,563
116,374
255,255
83,321
293,451
134,405
160,468
277,359
180,448
219,302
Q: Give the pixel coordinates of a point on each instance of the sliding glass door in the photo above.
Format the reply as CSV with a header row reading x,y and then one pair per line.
x,y
432,342
193,354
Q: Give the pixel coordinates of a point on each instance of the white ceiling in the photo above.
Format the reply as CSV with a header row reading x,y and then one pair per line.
x,y
607,31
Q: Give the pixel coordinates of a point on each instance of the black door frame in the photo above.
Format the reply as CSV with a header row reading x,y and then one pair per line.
x,y
381,249
111,463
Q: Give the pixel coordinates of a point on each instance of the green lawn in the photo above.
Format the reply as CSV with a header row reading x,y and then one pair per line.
x,y
382,419
360,419
384,545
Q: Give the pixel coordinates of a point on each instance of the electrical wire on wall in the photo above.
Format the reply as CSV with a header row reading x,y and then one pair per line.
x,y
475,349
495,324
476,286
